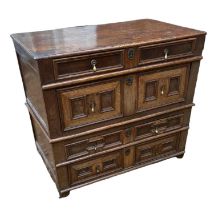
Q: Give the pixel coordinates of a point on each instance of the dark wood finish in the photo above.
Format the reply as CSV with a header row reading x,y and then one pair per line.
x,y
83,65
161,88
32,84
157,52
161,147
93,145
109,139
94,77
68,41
107,99
91,169
89,104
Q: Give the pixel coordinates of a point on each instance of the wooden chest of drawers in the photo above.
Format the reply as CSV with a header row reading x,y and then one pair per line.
x,y
106,99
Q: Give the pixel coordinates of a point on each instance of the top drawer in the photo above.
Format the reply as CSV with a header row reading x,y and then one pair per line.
x,y
87,64
166,51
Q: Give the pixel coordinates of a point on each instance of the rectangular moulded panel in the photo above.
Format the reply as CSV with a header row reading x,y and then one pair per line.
x,y
90,104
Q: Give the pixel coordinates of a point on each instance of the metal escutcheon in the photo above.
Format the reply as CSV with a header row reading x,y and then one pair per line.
x,y
127,151
129,81
131,53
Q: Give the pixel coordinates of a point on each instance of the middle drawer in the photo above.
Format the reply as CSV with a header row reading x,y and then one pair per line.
x,y
111,139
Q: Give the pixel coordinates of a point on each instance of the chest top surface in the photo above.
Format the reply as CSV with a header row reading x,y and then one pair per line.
x,y
91,38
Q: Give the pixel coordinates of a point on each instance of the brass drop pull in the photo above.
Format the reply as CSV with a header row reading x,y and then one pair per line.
x,y
98,146
98,169
166,51
93,63
93,107
94,148
156,131
162,90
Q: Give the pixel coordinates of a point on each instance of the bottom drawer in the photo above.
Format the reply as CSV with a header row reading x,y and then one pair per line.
x,y
126,158
93,168
160,147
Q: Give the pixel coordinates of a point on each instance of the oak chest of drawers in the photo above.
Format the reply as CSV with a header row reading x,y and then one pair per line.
x,y
107,99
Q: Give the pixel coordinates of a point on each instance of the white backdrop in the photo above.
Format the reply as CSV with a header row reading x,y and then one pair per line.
x,y
186,183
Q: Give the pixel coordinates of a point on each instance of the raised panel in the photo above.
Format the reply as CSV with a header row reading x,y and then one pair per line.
x,y
156,53
144,130
107,101
111,163
112,140
81,65
151,90
159,126
148,91
174,85
93,168
160,147
168,146
93,145
78,107
90,104
76,149
83,171
144,153
162,88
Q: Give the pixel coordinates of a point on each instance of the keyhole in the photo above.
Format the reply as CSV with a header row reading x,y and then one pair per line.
x,y
131,53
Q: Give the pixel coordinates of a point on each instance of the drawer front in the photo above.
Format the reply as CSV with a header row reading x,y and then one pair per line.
x,y
159,126
90,104
162,88
166,51
165,146
88,64
98,143
94,168
93,145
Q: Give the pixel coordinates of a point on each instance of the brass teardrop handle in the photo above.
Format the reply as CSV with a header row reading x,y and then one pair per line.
x,y
162,90
156,131
93,106
93,63
166,51
92,148
99,146
97,169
